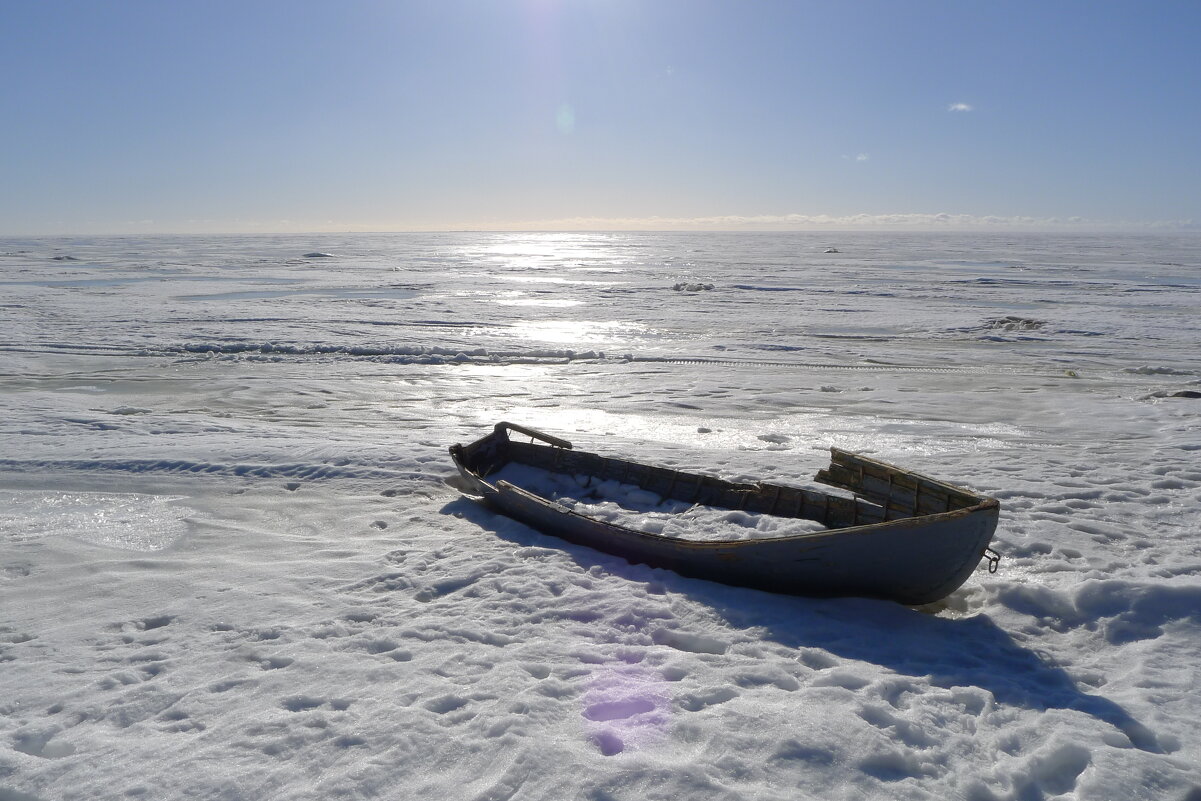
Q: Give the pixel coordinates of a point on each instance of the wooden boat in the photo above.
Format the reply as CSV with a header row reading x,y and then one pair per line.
x,y
902,536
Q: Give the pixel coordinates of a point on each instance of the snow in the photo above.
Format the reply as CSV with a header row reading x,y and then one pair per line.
x,y
234,565
632,507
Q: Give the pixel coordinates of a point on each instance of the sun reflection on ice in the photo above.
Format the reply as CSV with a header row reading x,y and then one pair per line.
x,y
129,521
553,245
551,279
576,331
553,303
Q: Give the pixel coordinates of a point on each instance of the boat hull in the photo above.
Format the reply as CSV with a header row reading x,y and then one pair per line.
x,y
912,559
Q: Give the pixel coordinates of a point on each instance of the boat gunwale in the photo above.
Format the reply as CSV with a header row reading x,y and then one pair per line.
x,y
809,536
984,504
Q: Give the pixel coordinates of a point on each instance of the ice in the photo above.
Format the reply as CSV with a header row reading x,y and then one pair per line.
x,y
120,520
234,563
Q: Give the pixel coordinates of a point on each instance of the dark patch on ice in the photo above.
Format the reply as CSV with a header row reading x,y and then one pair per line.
x,y
129,410
380,646
446,586
1148,370
155,622
301,703
904,730
695,702
794,750
753,288
317,254
608,743
674,673
1186,393
618,710
445,704
385,582
776,348
537,670
838,678
15,570
397,557
818,660
1043,284
41,744
891,766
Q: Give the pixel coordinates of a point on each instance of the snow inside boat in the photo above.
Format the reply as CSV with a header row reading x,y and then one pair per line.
x,y
898,535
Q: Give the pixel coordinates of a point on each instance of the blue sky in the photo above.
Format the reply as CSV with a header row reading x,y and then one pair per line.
x,y
264,115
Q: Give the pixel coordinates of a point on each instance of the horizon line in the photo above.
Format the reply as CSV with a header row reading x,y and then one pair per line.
x,y
786,223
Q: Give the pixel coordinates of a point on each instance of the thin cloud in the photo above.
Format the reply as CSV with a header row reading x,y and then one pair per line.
x,y
785,222
900,221
959,107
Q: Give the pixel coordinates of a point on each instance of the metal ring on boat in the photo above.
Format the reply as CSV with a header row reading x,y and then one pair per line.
x,y
993,558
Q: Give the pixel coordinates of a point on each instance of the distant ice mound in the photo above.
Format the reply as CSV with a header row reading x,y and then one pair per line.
x,y
831,250
316,254
687,286
1191,394
1149,370
1013,323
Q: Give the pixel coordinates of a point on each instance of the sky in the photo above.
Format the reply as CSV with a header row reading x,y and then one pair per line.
x,y
144,116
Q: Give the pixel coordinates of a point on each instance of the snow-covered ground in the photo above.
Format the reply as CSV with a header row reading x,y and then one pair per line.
x,y
231,566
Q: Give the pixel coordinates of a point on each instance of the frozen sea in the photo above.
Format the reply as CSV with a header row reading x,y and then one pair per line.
x,y
232,566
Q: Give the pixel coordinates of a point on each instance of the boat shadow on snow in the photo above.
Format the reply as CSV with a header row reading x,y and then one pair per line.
x,y
948,652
